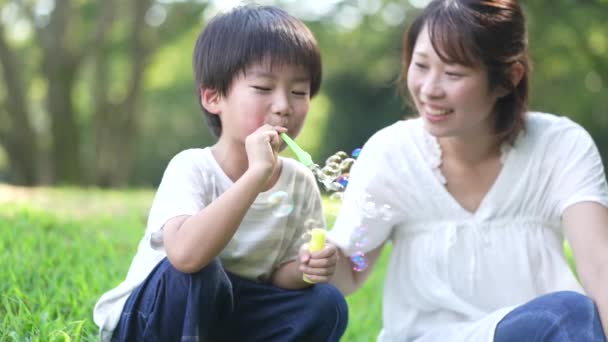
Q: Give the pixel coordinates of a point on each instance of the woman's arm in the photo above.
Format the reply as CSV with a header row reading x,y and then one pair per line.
x,y
586,227
346,279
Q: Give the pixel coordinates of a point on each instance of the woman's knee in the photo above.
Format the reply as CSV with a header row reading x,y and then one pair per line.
x,y
555,316
570,305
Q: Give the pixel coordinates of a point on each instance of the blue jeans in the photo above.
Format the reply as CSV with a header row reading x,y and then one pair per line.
x,y
564,316
214,305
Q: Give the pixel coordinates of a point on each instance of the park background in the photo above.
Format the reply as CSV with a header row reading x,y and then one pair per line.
x,y
96,96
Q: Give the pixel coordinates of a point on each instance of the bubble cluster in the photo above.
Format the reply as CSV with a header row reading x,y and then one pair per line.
x,y
334,174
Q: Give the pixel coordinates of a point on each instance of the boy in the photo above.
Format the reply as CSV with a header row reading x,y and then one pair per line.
x,y
219,261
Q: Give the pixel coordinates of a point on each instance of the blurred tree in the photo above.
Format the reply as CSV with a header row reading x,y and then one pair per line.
x,y
16,132
117,38
101,92
569,46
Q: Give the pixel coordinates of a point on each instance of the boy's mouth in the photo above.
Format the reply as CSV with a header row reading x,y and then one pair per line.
x,y
280,123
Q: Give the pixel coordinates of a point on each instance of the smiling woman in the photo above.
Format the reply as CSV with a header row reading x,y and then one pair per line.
x,y
483,193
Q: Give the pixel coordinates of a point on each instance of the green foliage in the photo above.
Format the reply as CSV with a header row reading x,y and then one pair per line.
x,y
567,42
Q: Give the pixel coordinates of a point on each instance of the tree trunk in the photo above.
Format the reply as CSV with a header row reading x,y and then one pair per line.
x,y
117,125
17,135
60,66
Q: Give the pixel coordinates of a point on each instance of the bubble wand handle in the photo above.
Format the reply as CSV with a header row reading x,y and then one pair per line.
x,y
302,155
317,243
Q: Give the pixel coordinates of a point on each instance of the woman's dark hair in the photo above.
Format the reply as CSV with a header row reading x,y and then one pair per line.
x,y
473,32
233,41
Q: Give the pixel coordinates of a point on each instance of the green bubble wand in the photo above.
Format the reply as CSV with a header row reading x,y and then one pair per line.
x,y
317,240
302,155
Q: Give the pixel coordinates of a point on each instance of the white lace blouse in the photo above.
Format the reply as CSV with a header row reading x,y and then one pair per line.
x,y
454,274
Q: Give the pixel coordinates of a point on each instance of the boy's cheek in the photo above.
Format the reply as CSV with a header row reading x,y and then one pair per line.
x,y
252,124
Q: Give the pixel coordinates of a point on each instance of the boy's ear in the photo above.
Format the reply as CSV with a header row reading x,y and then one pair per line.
x,y
210,100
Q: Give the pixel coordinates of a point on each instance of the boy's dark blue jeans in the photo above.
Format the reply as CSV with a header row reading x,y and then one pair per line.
x,y
563,316
213,305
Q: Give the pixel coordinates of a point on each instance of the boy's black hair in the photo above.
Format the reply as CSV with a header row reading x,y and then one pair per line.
x,y
250,34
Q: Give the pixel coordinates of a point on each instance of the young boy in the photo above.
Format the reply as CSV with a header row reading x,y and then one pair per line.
x,y
222,259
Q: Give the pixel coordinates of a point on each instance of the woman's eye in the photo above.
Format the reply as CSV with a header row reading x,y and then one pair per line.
x,y
420,65
261,88
299,93
453,75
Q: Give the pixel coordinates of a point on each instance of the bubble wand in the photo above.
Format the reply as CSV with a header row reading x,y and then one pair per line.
x,y
302,155
317,235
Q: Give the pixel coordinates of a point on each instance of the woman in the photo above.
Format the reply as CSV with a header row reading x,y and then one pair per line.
x,y
482,194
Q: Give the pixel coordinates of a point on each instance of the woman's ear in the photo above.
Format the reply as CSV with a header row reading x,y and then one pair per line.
x,y
516,71
210,100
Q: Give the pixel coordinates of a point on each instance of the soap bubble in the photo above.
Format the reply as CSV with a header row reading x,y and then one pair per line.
x,y
282,203
359,263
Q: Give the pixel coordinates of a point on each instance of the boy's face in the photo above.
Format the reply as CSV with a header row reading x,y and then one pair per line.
x,y
278,96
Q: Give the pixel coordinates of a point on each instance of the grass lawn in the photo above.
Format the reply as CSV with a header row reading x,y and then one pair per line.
x,y
62,248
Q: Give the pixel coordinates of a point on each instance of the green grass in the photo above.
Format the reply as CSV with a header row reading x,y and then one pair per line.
x,y
61,249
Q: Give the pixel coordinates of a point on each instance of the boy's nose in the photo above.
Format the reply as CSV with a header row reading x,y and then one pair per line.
x,y
281,105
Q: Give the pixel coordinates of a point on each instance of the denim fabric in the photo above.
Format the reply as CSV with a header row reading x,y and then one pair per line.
x,y
564,316
214,305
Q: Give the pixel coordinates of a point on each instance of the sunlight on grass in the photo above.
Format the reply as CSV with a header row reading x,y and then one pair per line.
x,y
63,247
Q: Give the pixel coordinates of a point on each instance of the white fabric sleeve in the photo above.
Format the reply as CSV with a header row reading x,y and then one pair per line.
x,y
580,177
180,193
369,209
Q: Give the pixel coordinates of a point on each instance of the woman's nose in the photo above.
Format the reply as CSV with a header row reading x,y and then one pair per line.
x,y
431,87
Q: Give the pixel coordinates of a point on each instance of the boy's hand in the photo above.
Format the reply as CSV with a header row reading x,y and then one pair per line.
x,y
319,266
262,148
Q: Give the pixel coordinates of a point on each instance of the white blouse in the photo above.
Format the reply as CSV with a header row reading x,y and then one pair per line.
x,y
454,274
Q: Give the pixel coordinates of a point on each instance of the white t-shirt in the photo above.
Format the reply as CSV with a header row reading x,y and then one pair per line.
x,y
269,235
453,274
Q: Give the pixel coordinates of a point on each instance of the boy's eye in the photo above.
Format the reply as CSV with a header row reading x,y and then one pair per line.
x,y
420,65
261,88
299,93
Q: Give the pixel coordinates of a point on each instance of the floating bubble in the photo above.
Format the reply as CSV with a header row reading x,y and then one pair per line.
x,y
386,212
333,159
282,202
341,154
336,196
358,234
359,262
355,153
311,223
367,206
331,171
333,204
343,180
346,164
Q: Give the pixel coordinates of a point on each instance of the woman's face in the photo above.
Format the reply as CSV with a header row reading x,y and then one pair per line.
x,y
453,100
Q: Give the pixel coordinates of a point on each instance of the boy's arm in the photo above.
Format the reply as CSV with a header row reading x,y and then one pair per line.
x,y
191,242
288,276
